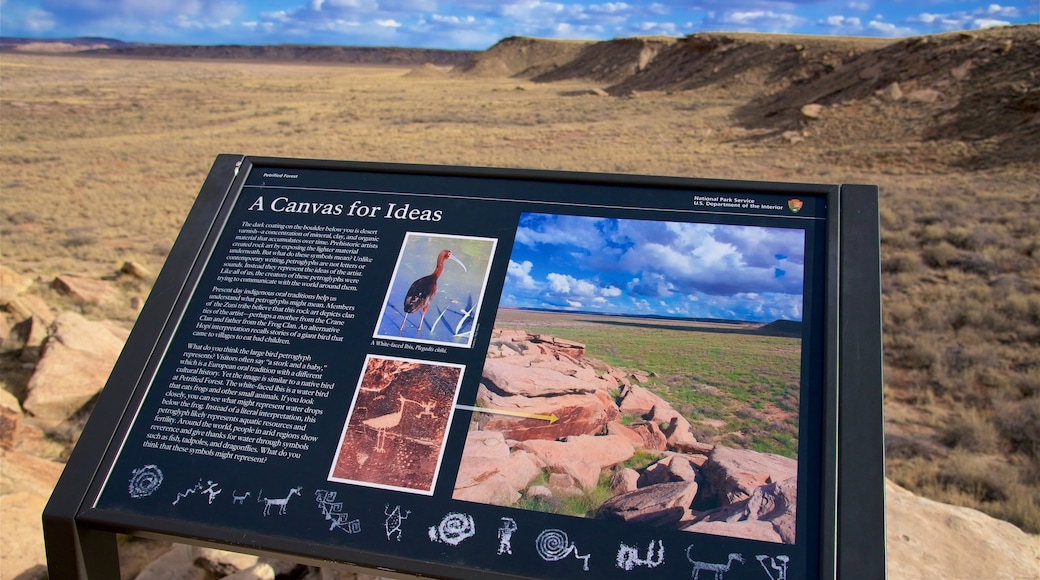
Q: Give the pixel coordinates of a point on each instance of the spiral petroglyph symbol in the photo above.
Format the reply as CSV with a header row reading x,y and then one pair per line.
x,y
553,545
144,481
453,529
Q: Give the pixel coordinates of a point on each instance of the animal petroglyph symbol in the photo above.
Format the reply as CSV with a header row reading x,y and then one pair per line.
x,y
422,291
280,502
144,481
393,521
718,569
628,556
781,569
553,545
210,490
384,422
239,499
453,529
505,534
333,512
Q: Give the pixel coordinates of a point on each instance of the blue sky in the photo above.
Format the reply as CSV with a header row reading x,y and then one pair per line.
x,y
656,268
477,24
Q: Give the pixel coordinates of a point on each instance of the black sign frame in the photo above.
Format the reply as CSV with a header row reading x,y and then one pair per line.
x,y
80,538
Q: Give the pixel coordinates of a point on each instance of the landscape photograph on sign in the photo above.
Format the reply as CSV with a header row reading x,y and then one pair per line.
x,y
646,372
436,289
395,429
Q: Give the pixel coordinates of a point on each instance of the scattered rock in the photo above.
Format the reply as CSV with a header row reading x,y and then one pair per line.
x,y
735,474
74,366
624,481
812,111
23,555
10,419
27,306
890,93
657,505
924,96
583,457
489,473
12,284
136,270
26,473
774,504
85,290
177,564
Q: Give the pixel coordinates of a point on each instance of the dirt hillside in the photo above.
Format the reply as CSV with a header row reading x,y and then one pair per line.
x,y
965,99
519,56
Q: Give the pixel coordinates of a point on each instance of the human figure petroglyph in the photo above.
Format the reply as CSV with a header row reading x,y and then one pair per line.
x,y
505,535
394,520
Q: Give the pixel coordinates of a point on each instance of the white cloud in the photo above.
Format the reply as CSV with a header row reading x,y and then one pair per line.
x,y
998,10
983,17
39,20
989,23
453,20
843,24
887,29
755,20
520,275
388,23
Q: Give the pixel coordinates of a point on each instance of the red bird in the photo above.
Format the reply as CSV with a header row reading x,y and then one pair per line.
x,y
421,292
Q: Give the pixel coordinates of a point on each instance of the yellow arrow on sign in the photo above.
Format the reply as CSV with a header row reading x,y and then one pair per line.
x,y
550,418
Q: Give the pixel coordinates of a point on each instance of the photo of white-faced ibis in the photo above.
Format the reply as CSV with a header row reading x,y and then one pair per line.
x,y
437,288
422,291
397,424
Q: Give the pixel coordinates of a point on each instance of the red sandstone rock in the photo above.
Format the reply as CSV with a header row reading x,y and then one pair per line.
x,y
504,377
734,474
86,290
576,415
657,505
774,504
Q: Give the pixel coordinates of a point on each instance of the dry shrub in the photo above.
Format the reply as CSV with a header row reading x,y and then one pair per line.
x,y
901,262
1019,424
940,255
970,430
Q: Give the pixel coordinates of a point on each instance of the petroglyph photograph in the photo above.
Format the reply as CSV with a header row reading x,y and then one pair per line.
x,y
395,430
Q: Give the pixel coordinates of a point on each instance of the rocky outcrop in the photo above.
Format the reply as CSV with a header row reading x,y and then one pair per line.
x,y
928,539
574,434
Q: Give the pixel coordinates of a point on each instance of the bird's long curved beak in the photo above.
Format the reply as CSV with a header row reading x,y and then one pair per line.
x,y
458,261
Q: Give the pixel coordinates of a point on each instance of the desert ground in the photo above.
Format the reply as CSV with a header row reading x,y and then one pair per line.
x,y
101,159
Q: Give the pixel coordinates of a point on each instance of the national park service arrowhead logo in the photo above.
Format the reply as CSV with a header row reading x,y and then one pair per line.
x,y
795,205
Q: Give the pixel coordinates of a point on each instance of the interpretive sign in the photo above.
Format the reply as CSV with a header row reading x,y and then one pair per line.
x,y
463,372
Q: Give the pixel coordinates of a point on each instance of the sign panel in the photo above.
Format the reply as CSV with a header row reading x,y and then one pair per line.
x,y
460,372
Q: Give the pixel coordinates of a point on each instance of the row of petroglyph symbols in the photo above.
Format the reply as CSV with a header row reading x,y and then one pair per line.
x,y
551,545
